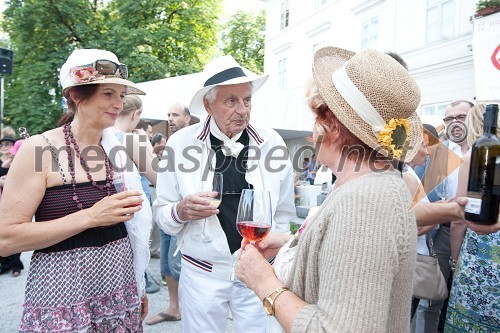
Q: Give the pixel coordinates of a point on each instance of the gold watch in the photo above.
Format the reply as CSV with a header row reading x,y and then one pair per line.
x,y
268,302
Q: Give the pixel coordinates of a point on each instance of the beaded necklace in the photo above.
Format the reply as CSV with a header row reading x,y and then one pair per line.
x,y
70,140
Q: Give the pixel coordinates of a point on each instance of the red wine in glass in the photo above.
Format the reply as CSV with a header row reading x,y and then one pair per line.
x,y
253,232
253,220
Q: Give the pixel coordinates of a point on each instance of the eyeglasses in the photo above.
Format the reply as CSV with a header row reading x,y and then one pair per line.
x,y
6,144
107,67
460,117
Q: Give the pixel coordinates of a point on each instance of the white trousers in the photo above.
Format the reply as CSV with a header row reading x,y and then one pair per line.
x,y
205,301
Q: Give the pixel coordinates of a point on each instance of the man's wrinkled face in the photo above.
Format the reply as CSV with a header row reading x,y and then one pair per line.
x,y
231,108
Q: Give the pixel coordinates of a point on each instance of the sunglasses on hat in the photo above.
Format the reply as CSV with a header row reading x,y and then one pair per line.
x,y
107,67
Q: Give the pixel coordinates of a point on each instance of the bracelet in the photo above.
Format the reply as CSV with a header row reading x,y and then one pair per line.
x,y
453,264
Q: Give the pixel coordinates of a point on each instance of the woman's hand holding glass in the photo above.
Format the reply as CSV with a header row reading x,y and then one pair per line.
x,y
269,246
119,207
252,268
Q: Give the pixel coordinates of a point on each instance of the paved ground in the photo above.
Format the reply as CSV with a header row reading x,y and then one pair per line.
x,y
12,298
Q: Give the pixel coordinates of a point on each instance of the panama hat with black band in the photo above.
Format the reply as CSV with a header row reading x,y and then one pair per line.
x,y
373,96
223,71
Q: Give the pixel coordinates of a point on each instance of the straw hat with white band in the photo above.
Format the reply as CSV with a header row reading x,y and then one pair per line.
x,y
373,96
223,71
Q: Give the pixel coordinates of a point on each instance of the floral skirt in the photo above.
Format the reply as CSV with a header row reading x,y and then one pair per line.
x,y
91,289
474,304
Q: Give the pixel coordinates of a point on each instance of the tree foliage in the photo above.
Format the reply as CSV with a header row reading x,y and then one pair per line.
x,y
243,36
155,38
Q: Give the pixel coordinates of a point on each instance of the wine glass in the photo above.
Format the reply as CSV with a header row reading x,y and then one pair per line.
x,y
443,190
215,200
254,217
126,181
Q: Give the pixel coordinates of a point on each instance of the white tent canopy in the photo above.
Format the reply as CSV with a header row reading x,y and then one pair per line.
x,y
161,94
280,110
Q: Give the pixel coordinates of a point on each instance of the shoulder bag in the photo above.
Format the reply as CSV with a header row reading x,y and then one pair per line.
x,y
428,281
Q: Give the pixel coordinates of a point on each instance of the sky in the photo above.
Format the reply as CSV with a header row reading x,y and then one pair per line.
x,y
232,6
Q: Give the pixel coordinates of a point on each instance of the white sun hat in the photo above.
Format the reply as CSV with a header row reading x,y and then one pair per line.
x,y
86,66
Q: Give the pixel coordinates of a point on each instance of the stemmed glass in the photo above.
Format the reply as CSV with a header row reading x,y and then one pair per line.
x,y
443,190
254,217
215,200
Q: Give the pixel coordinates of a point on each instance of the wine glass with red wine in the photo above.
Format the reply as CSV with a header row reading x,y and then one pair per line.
x,y
254,217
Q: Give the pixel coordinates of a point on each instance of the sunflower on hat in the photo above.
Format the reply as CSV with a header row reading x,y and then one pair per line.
x,y
395,136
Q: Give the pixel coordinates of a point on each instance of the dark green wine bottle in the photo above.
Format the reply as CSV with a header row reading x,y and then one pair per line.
x,y
483,190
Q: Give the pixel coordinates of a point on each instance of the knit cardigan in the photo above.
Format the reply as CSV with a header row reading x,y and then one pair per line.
x,y
355,261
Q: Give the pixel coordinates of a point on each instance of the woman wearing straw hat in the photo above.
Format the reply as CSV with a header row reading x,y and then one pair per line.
x,y
354,261
91,244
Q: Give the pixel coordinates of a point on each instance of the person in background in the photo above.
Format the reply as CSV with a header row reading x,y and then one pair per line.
x,y
8,131
158,142
178,117
443,167
170,264
227,143
353,263
475,294
139,150
194,120
311,169
90,249
13,262
149,131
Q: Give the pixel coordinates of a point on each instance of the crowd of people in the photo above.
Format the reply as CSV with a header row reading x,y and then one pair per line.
x,y
350,266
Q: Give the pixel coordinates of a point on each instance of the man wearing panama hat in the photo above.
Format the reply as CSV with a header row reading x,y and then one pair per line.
x,y
207,237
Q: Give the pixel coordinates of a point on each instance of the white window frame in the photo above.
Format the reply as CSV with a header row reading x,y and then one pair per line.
x,y
442,26
285,14
369,33
437,109
282,72
320,3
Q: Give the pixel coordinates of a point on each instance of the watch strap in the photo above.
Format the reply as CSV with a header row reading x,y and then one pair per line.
x,y
271,298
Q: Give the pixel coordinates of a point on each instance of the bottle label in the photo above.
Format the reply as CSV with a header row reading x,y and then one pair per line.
x,y
473,206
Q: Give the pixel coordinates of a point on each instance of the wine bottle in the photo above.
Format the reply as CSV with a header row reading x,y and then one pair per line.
x,y
483,191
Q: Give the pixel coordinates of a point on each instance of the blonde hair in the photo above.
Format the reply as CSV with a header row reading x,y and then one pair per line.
x,y
8,131
131,103
475,123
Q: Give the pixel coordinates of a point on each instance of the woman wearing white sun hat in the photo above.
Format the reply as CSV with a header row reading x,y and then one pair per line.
x,y
90,244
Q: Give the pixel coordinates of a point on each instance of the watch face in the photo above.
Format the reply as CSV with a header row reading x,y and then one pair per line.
x,y
268,306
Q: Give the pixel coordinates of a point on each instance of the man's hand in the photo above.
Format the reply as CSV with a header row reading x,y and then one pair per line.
x,y
196,207
480,229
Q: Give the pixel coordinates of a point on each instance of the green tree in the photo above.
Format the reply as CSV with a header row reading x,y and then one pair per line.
x,y
155,38
243,36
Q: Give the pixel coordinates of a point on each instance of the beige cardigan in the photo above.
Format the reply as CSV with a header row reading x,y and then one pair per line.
x,y
355,261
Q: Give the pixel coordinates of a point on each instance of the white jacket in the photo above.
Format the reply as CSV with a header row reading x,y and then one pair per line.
x,y
185,169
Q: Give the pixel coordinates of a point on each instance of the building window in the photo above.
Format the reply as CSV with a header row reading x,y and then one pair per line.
x,y
285,13
320,3
282,72
317,46
369,33
434,109
440,20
